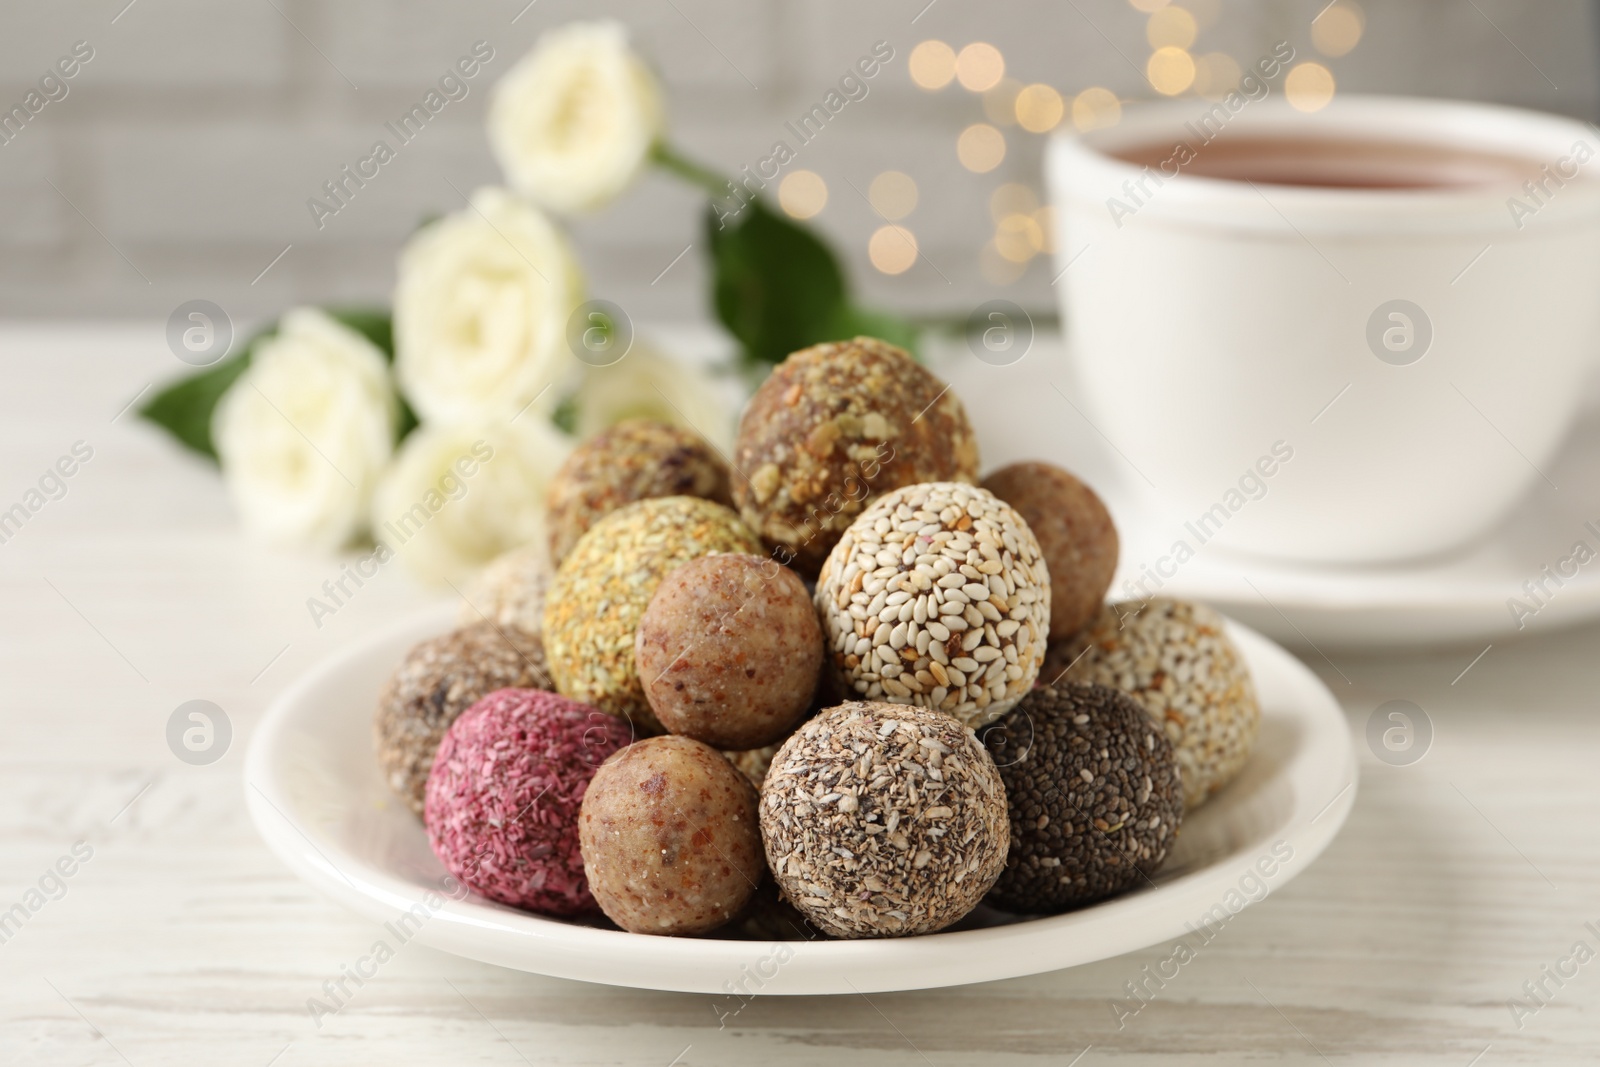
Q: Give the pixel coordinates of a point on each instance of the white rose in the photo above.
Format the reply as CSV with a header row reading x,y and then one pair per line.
x,y
305,431
481,310
647,385
459,495
573,122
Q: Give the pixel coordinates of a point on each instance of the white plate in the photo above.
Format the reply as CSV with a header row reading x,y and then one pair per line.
x,y
1021,412
315,793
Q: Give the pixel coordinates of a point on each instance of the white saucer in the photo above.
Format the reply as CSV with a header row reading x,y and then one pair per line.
x,y
1021,411
316,796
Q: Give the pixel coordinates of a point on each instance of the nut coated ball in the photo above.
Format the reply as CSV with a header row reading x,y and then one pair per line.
x,y
729,651
633,460
1093,795
669,837
831,428
937,595
884,820
1176,660
1075,534
510,590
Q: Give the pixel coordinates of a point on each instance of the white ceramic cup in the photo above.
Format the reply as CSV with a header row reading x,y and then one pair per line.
x,y
1419,353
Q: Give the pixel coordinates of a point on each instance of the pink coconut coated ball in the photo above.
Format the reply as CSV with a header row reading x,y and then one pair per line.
x,y
501,804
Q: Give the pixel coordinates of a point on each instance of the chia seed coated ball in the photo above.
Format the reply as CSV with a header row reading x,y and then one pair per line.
x,y
503,798
1175,659
1093,793
729,650
669,838
884,820
1075,534
510,590
633,460
832,428
605,584
437,681
937,595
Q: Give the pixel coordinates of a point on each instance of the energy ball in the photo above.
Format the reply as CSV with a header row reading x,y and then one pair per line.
x,y
1093,793
729,650
504,795
1175,659
510,590
832,428
1075,534
884,820
669,838
633,460
437,681
605,584
938,596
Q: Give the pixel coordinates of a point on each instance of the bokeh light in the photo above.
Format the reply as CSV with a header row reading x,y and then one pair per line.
x,y
1338,29
1096,107
893,194
981,147
1046,218
802,193
892,249
1149,7
980,66
1000,102
1018,238
1309,87
932,65
1170,70
1012,198
1171,27
1216,74
1039,108
1205,12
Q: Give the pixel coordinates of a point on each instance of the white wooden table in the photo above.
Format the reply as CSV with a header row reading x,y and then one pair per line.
x,y
181,940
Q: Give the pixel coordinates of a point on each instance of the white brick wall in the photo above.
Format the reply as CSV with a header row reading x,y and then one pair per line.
x,y
193,138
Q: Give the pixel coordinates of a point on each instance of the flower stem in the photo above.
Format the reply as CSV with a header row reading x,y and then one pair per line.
x,y
667,158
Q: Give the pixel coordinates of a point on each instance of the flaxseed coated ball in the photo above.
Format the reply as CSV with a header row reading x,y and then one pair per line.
x,y
729,650
504,795
832,428
510,590
884,820
1093,794
1075,534
937,595
669,838
1176,660
606,582
437,681
633,460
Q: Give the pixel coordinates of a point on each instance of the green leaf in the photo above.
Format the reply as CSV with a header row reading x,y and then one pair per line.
x,y
375,324
778,287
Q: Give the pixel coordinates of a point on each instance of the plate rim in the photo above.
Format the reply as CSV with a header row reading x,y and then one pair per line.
x,y
497,934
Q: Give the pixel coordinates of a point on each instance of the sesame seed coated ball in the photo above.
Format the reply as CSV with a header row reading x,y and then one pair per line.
x,y
510,590
606,582
938,596
633,460
505,791
883,820
1075,534
831,428
1176,660
669,838
438,680
1093,794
